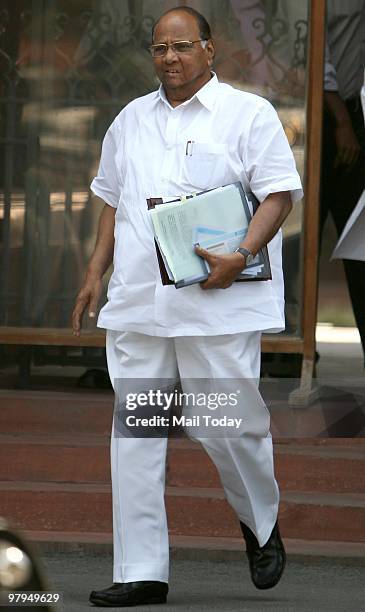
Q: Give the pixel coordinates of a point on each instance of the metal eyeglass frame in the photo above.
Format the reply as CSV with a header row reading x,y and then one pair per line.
x,y
151,48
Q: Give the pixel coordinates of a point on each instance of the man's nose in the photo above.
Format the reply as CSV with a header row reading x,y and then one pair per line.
x,y
170,55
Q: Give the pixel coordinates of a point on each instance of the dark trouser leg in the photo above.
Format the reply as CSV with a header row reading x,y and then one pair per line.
x,y
341,188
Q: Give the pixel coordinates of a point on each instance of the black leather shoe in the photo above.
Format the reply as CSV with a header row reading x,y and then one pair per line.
x,y
266,563
125,594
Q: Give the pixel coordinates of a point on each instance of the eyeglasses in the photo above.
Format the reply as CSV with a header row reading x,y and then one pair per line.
x,y
180,46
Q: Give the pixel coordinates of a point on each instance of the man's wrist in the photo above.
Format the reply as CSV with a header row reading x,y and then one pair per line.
x,y
338,109
246,254
241,261
94,274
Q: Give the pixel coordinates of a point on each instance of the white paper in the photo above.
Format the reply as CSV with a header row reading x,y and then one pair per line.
x,y
175,227
351,244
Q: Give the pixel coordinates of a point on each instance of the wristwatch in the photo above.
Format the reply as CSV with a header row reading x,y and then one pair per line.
x,y
249,257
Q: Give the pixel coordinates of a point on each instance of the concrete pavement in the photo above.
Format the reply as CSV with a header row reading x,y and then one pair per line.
x,y
308,584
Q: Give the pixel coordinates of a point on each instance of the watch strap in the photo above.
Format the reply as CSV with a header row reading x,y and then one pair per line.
x,y
243,251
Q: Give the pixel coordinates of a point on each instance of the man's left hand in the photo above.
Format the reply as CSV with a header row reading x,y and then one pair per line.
x,y
224,269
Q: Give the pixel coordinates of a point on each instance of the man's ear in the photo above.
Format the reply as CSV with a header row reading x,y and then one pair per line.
x,y
210,51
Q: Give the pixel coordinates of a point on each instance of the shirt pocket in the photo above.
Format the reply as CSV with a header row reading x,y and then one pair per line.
x,y
206,166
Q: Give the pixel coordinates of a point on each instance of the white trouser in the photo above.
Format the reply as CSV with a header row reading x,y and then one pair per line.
x,y
245,464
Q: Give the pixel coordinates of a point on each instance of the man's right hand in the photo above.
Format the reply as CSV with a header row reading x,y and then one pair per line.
x,y
88,297
348,147
347,144
100,261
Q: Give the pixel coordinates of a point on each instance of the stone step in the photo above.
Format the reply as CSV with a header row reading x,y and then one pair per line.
x,y
298,467
86,458
202,512
84,412
192,547
55,412
55,458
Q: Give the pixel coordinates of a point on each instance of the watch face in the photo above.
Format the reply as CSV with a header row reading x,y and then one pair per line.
x,y
249,259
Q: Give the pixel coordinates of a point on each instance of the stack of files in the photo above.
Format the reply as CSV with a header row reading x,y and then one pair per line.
x,y
217,220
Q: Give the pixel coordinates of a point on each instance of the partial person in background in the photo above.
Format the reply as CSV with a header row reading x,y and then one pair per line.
x,y
343,144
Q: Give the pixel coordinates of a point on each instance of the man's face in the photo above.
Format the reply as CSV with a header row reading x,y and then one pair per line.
x,y
183,73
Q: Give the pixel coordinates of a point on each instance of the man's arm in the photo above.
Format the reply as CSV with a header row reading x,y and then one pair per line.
x,y
270,215
100,261
348,147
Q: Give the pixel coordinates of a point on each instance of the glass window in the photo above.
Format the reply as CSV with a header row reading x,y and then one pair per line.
x,y
66,69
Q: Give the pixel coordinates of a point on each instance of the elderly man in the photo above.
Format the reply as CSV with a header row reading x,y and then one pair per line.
x,y
207,331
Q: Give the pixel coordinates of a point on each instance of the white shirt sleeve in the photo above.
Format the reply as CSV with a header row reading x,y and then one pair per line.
x,y
106,184
268,158
330,76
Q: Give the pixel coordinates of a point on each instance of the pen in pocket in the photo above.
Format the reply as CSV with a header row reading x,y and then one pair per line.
x,y
189,147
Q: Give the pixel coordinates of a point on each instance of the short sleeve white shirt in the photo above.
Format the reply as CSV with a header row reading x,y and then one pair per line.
x,y
237,137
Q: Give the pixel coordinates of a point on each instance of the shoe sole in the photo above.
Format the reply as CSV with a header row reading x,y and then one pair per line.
x,y
136,602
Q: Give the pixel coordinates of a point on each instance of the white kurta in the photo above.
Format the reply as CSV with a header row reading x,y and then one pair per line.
x,y
237,137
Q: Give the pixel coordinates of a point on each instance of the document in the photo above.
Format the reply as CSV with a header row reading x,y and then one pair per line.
x,y
217,220
351,244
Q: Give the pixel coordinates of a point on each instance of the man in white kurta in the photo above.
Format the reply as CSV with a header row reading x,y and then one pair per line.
x,y
211,331
237,137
